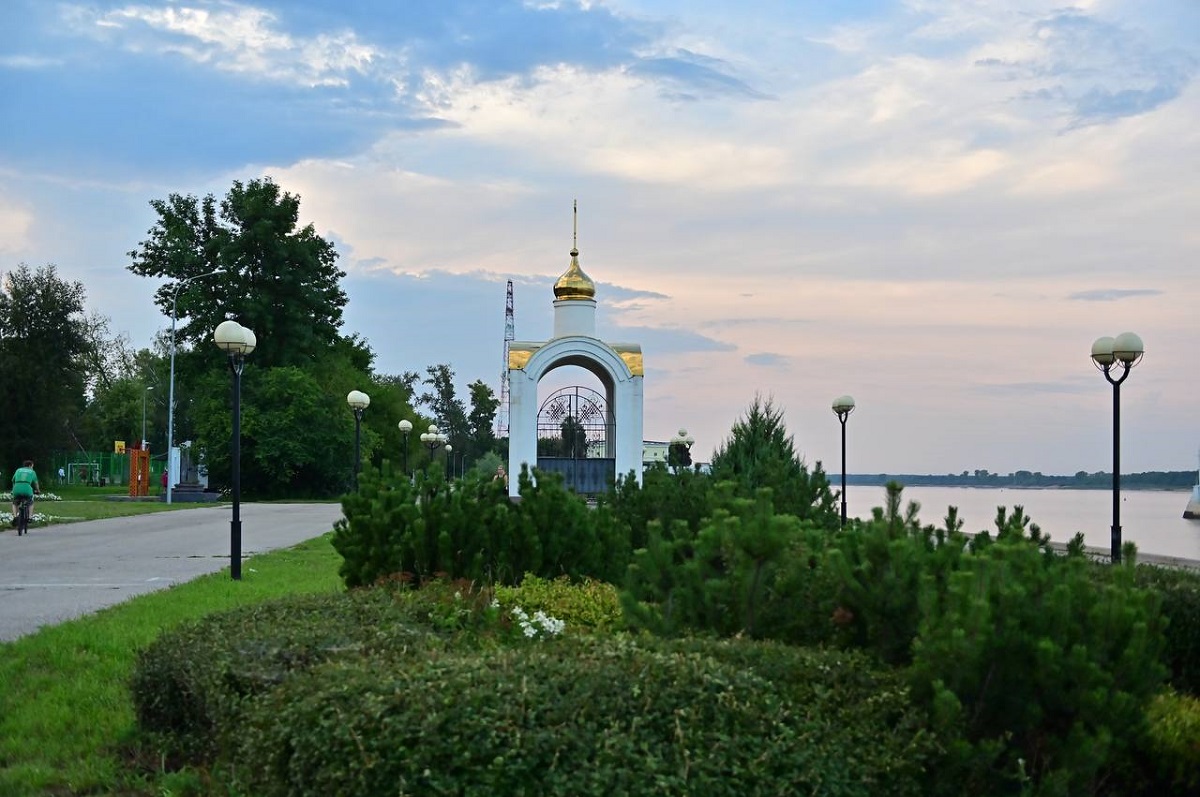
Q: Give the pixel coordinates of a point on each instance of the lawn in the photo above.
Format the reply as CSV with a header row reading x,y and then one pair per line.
x,y
87,503
64,704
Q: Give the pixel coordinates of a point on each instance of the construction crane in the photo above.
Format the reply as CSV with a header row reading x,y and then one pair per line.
x,y
509,336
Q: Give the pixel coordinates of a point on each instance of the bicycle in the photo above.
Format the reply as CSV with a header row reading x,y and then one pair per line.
x,y
23,506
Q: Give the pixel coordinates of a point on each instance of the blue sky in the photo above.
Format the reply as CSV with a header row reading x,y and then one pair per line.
x,y
933,206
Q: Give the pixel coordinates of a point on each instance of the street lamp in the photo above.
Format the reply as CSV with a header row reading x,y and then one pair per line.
x,y
842,407
449,460
680,450
236,341
433,439
171,388
405,427
144,394
358,402
1126,351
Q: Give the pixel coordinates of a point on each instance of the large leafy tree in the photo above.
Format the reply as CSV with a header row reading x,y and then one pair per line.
x,y
760,453
44,354
275,277
247,257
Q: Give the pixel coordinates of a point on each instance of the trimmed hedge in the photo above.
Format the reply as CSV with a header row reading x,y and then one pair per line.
x,y
589,717
191,683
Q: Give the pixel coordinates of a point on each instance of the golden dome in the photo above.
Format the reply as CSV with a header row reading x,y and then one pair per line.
x,y
574,284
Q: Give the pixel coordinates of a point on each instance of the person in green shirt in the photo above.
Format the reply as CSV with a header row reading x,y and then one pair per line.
x,y
24,485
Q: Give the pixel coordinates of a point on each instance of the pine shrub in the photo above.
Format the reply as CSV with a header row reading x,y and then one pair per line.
x,y
1034,672
471,530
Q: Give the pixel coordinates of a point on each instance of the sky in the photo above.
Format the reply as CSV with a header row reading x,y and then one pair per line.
x,y
933,206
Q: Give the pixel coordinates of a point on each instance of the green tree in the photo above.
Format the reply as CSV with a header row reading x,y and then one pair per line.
x,y
482,419
276,278
573,442
44,354
679,455
281,280
760,453
442,400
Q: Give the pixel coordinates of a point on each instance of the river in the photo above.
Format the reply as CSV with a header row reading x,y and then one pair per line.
x,y
1152,519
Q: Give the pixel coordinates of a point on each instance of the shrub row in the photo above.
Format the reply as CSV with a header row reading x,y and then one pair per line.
x,y
472,530
589,717
1030,666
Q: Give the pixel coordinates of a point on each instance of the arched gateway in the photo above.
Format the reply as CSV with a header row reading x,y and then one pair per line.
x,y
611,422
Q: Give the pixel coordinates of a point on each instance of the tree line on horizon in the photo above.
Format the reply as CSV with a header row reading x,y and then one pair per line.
x,y
1148,480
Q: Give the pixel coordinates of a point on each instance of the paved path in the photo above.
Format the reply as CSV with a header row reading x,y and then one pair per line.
x,y
64,571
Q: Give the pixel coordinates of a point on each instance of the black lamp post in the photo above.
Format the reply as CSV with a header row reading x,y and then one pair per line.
x,y
842,407
358,402
449,462
1125,351
236,341
405,427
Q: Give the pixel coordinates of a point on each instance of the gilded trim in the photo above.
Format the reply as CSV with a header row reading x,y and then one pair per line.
x,y
631,354
519,355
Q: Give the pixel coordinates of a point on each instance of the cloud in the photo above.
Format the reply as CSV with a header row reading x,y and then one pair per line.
x,y
771,321
232,37
1065,387
16,221
694,76
28,62
768,360
659,341
625,297
1111,294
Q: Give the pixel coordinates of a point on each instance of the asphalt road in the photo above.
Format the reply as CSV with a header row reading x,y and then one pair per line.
x,y
65,571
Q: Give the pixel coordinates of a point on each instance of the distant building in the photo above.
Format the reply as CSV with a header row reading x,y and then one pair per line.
x,y
654,451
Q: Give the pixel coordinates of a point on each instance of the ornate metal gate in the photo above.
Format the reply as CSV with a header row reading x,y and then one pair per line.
x,y
575,438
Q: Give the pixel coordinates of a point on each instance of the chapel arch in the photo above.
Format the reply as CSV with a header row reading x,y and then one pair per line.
x,y
618,368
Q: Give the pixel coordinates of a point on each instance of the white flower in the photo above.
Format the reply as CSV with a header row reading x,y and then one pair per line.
x,y
542,624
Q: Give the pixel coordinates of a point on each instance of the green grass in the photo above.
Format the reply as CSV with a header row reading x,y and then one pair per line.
x,y
64,703
71,511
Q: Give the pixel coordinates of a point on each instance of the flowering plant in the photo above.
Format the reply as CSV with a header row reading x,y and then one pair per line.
x,y
39,497
541,625
6,518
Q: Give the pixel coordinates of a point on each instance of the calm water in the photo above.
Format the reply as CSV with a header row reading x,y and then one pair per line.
x,y
1153,519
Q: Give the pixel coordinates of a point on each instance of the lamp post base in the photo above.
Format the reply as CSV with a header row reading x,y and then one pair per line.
x,y
235,550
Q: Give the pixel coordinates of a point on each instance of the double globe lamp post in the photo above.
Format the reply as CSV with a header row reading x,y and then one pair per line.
x,y
1110,355
358,402
236,341
435,439
842,407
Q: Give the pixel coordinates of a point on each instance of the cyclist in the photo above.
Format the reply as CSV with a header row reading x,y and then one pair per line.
x,y
24,485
